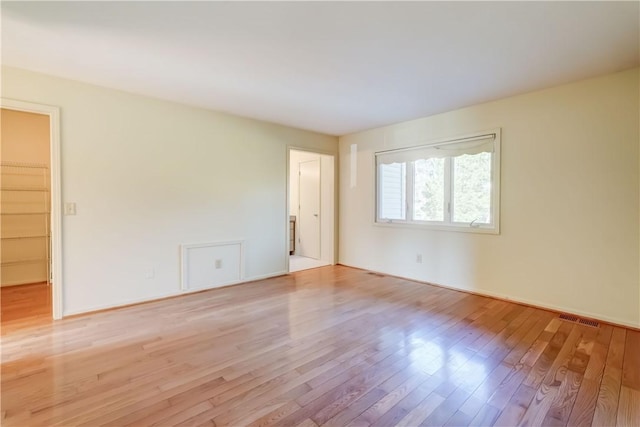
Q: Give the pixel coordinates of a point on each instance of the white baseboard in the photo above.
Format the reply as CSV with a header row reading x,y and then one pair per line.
x,y
534,303
170,295
265,276
93,309
553,307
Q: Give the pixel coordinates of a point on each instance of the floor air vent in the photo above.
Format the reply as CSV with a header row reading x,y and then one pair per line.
x,y
569,318
592,323
575,319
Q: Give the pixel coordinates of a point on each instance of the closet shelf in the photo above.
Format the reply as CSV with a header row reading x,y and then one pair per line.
x,y
25,217
23,165
25,261
43,190
35,236
25,213
24,173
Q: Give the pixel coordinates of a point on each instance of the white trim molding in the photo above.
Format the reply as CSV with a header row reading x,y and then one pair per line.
x,y
56,194
514,299
336,203
488,141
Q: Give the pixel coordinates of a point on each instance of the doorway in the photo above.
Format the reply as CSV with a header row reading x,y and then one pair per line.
x,y
30,281
311,209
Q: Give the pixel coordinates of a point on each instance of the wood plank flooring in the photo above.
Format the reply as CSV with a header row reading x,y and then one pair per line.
x,y
333,346
24,306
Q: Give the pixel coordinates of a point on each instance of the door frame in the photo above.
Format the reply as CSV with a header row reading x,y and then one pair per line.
x,y
53,113
335,200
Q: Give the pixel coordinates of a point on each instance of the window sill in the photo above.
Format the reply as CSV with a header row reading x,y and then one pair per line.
x,y
457,228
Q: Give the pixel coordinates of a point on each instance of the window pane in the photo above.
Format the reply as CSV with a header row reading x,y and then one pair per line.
x,y
472,188
392,182
428,189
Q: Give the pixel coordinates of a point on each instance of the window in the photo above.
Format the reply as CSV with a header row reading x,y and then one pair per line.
x,y
452,184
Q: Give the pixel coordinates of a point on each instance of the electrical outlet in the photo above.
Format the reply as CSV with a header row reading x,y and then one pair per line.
x,y
149,273
218,263
419,258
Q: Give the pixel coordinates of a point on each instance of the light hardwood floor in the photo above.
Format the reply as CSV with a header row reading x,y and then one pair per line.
x,y
25,306
331,346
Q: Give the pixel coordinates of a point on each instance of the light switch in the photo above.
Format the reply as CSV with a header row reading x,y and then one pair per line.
x,y
70,208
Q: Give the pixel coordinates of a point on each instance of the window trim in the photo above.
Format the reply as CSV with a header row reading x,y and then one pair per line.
x,y
448,225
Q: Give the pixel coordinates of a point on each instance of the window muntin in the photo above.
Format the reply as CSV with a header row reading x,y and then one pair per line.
x,y
449,184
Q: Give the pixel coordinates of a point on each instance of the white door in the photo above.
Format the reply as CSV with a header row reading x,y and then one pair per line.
x,y
309,188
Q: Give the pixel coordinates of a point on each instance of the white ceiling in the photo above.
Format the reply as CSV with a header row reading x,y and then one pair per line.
x,y
332,67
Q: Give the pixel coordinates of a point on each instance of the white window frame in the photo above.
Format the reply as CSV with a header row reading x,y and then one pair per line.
x,y
447,224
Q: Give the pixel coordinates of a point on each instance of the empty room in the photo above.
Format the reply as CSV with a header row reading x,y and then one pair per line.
x,y
320,213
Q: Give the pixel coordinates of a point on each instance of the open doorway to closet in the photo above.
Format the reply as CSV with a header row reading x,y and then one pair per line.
x,y
25,216
30,278
311,209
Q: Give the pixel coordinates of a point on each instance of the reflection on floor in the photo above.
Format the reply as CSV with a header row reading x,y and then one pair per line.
x,y
331,346
24,306
297,263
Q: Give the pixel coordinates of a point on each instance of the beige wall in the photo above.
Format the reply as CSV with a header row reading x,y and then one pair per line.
x,y
149,175
24,153
570,202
